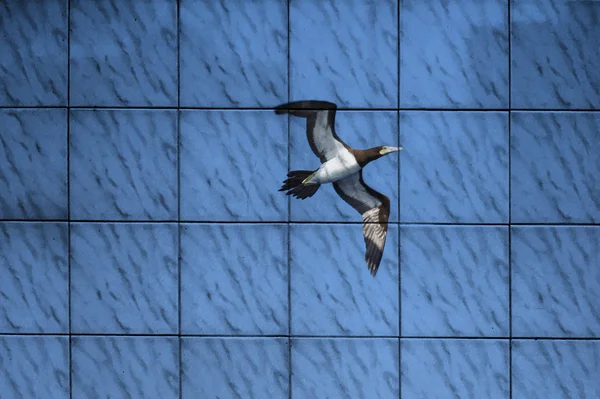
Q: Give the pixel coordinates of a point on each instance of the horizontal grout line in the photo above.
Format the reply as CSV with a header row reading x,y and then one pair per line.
x,y
271,109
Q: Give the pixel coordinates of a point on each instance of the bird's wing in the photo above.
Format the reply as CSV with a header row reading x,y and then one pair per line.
x,y
320,126
375,210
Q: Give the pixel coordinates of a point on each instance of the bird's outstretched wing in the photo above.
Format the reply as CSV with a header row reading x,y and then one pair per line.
x,y
375,210
320,126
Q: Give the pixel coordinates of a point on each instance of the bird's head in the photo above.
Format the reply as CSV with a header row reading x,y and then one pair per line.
x,y
386,149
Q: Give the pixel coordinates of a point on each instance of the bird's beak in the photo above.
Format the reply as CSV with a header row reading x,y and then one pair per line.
x,y
389,150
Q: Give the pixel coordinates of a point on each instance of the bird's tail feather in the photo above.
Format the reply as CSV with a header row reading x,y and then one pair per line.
x,y
294,184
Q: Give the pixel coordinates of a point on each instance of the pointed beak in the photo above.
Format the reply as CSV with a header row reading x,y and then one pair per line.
x,y
389,150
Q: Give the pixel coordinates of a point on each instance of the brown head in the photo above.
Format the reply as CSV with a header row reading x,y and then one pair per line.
x,y
363,157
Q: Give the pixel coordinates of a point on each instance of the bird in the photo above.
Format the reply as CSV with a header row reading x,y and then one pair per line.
x,y
343,167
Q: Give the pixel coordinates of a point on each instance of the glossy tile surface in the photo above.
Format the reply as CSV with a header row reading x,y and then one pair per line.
x,y
454,281
233,53
123,165
360,130
454,168
34,50
234,279
345,368
235,368
345,52
555,57
454,54
124,278
124,53
34,278
555,174
123,367
556,281
33,164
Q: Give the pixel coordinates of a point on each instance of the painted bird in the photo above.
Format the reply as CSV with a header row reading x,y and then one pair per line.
x,y
342,166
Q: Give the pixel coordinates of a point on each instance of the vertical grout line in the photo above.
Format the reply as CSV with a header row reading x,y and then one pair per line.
x,y
69,197
399,216
510,317
178,119
289,207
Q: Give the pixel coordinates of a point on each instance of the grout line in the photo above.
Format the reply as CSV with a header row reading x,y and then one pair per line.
x,y
69,297
510,310
179,340
289,207
399,230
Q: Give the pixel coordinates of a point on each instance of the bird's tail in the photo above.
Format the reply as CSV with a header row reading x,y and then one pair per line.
x,y
295,184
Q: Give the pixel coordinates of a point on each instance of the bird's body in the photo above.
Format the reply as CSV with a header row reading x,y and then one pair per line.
x,y
341,166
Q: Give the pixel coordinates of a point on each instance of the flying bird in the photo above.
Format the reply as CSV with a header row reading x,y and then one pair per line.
x,y
342,166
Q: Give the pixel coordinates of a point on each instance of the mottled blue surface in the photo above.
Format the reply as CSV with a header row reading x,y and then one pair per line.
x,y
234,279
555,167
556,281
124,53
124,278
359,130
33,164
233,53
123,165
234,368
555,54
223,177
345,52
34,367
34,48
448,369
454,54
125,367
455,167
454,281
34,283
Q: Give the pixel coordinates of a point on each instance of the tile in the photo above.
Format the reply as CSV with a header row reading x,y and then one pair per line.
x,y
124,165
232,164
556,281
454,54
33,164
354,64
124,53
454,168
230,60
34,278
34,53
345,368
555,168
34,367
454,281
555,57
126,367
234,368
234,279
360,130
332,292
124,278
550,369
445,369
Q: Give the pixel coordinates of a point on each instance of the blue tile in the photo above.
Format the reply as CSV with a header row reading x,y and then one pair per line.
x,y
345,368
454,54
345,52
33,278
234,368
448,369
555,167
124,165
233,53
556,369
454,281
232,164
332,292
125,367
234,279
360,130
33,164
454,168
555,56
34,367
124,53
124,278
34,53
556,281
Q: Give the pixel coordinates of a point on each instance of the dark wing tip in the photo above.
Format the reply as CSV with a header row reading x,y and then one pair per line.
x,y
307,105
